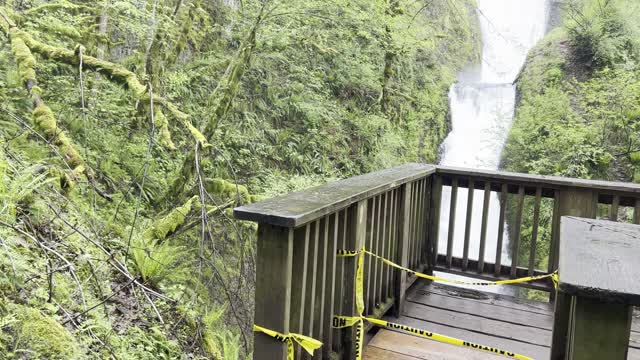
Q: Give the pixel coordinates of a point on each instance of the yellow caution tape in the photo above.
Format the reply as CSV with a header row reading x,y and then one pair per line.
x,y
553,276
307,343
349,321
345,321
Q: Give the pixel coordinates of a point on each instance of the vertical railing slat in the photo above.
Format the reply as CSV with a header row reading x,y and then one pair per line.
x,y
356,234
518,229
380,251
312,277
503,208
375,263
323,241
483,227
340,276
452,220
415,191
613,211
467,226
534,230
329,310
299,280
555,233
392,237
368,261
402,246
636,213
434,221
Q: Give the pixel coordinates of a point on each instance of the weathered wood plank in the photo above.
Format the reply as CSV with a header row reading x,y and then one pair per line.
x,y
522,333
636,212
274,265
515,246
452,220
499,300
376,353
295,209
394,345
503,208
481,309
488,339
534,231
483,227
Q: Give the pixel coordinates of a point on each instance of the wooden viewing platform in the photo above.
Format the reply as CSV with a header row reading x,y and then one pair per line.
x,y
301,284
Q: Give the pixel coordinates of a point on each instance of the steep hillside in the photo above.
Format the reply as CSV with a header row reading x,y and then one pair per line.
x,y
130,129
578,112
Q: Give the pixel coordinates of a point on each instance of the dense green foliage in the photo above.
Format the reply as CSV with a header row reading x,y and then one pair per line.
x,y
144,123
578,113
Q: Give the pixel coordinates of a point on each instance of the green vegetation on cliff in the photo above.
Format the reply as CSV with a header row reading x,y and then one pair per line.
x,y
130,129
578,111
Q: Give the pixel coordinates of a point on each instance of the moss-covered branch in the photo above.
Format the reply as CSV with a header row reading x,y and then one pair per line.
x,y
228,87
43,117
112,71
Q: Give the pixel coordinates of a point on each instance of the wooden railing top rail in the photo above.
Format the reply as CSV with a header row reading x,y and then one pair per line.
x,y
543,180
298,208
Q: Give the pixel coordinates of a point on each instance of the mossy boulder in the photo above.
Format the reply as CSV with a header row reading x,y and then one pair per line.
x,y
40,336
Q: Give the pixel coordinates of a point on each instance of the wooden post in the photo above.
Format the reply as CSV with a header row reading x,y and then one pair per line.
x,y
598,271
598,330
356,233
403,248
273,289
575,202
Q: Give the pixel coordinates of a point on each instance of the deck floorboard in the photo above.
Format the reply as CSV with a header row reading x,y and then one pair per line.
x,y
495,320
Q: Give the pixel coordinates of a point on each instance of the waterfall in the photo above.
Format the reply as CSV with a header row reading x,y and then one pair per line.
x,y
482,109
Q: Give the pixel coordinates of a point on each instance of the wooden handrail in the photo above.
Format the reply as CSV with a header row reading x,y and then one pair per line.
x,y
298,208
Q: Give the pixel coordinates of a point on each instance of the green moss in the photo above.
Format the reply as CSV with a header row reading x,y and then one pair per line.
x,y
168,224
25,60
46,123
41,336
223,188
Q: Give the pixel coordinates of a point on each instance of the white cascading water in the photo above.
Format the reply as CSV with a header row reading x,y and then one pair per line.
x,y
482,108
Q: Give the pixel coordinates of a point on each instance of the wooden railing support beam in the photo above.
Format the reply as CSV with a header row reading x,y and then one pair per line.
x,y
572,202
274,261
598,278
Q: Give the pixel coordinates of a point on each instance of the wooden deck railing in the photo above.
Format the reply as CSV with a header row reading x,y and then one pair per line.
x,y
396,213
